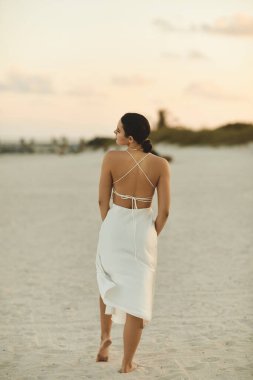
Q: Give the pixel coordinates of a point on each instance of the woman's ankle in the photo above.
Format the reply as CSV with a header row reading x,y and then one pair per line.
x,y
105,336
128,368
127,365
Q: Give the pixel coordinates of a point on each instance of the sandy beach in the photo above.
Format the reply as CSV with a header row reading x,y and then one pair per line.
x,y
203,310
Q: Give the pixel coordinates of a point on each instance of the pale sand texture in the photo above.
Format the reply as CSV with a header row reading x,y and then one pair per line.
x,y
202,316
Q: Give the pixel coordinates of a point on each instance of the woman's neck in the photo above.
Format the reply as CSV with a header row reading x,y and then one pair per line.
x,y
136,149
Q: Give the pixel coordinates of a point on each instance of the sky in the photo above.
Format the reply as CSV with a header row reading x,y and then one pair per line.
x,y
74,67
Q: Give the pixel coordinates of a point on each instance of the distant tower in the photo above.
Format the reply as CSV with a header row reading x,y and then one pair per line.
x,y
161,119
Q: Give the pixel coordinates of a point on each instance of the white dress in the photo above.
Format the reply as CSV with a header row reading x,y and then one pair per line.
x,y
126,258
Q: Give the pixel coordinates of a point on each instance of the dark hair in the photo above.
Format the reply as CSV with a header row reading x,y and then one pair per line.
x,y
138,127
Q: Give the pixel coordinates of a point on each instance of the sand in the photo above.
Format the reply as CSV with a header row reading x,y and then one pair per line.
x,y
202,316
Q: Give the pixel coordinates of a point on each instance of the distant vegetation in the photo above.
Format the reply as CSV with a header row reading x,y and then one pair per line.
x,y
165,132
229,134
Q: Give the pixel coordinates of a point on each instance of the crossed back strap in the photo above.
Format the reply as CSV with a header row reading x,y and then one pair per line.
x,y
137,163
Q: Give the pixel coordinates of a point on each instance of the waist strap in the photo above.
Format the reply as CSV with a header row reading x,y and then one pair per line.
x,y
134,206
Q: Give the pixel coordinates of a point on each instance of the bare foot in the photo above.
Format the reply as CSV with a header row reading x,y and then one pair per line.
x,y
102,355
127,369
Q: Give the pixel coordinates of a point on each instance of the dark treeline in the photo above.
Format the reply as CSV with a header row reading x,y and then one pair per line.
x,y
229,134
163,131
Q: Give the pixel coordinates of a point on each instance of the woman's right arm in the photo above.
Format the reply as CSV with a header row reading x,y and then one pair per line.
x,y
105,185
163,195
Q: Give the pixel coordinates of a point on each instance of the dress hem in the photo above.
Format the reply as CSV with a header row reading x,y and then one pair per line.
x,y
120,321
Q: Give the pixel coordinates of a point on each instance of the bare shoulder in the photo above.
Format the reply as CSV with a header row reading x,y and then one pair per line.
x,y
161,163
110,158
111,155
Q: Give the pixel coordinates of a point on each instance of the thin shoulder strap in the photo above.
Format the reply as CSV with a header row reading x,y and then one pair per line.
x,y
137,163
125,174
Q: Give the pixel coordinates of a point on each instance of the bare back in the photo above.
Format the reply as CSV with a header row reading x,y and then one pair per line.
x,y
138,180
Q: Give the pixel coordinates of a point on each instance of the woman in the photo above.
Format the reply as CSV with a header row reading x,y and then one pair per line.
x,y
127,245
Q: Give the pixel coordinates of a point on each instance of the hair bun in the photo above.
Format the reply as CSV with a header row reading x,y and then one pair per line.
x,y
146,145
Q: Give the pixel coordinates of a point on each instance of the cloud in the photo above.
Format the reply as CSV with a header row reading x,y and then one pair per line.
x,y
25,83
164,25
197,55
171,56
210,91
41,84
86,92
190,55
240,24
132,80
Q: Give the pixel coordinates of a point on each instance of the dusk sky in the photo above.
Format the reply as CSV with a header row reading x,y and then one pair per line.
x,y
74,67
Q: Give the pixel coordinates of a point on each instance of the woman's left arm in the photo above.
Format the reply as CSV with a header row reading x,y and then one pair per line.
x,y
105,185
